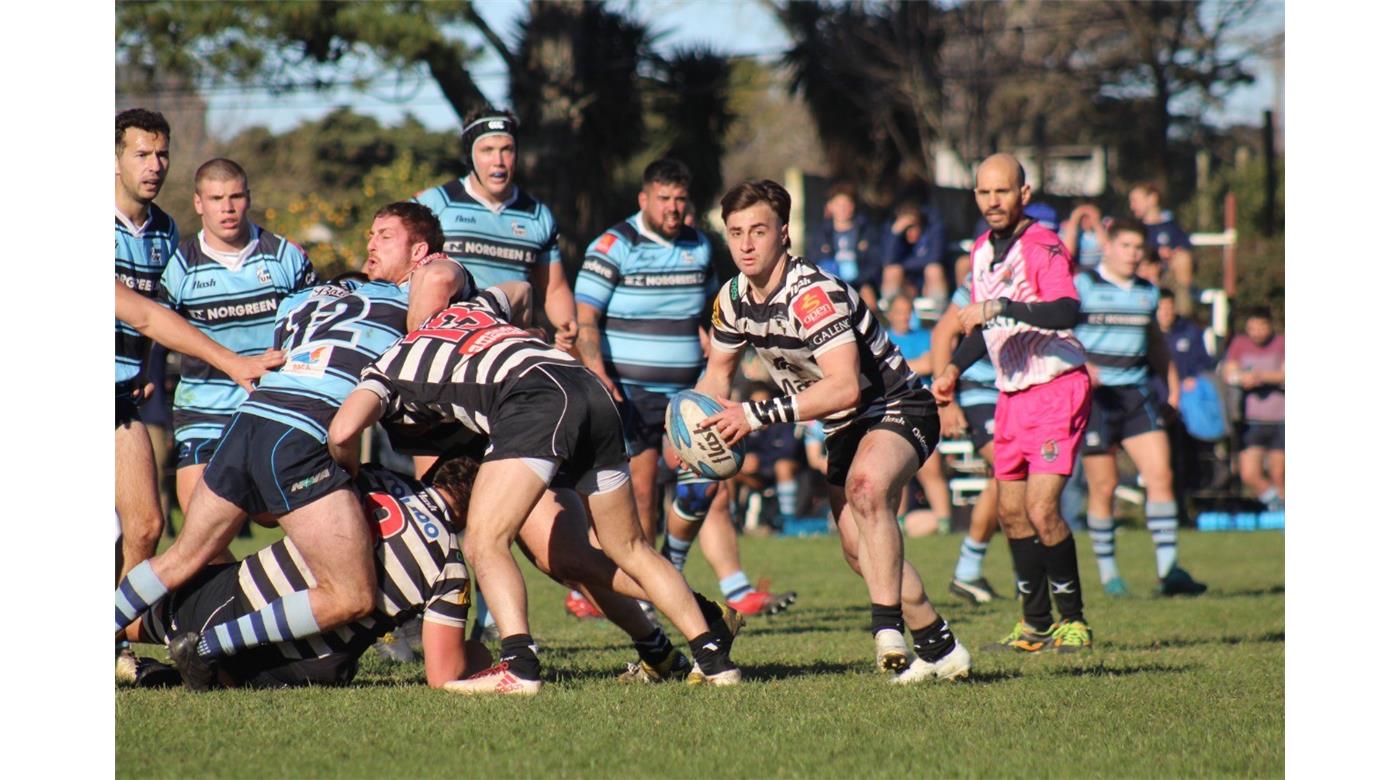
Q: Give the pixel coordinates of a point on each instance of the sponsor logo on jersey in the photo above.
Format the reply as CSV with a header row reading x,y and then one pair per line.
x,y
687,257
517,228
605,243
463,218
263,276
813,307
384,512
198,285
311,362
830,332
155,254
714,313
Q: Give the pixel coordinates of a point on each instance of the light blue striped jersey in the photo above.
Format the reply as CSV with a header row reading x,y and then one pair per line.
x,y
1114,322
655,295
978,384
141,258
494,245
329,334
235,308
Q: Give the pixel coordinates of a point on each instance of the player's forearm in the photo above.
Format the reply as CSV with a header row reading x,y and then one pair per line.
x,y
1060,314
362,408
943,339
559,299
590,347
433,288
156,322
444,654
826,397
970,350
719,373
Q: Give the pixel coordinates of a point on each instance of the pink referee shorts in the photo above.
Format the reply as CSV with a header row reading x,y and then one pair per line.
x,y
1039,429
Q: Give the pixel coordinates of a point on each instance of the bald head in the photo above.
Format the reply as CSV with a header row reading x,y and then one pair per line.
x,y
1002,192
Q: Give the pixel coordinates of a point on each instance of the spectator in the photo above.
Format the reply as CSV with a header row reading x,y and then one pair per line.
x,y
1254,363
913,255
1084,235
913,343
846,244
1186,344
1167,244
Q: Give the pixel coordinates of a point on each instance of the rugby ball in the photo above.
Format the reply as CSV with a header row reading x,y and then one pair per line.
x,y
701,449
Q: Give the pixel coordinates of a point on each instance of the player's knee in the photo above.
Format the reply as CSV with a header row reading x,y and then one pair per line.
x,y
693,500
1043,512
865,492
142,531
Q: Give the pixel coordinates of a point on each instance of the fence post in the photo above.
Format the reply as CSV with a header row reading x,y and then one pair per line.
x,y
1228,272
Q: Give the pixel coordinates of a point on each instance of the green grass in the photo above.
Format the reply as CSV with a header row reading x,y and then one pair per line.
x,y
1174,688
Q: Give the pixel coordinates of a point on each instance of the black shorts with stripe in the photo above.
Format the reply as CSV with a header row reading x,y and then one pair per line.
x,y
1119,412
981,424
264,466
196,452
559,412
914,419
213,597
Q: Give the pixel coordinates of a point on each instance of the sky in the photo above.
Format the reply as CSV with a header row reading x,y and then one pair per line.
x,y
738,27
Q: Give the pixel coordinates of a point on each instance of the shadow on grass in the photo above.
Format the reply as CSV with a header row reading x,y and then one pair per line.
x,y
1161,644
1273,590
786,671
1118,671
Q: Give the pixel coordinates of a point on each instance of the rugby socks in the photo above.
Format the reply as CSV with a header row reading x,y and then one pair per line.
x,y
787,498
289,617
654,647
519,651
934,640
970,557
710,654
1028,559
1062,570
1161,521
139,589
1101,536
676,551
883,616
735,586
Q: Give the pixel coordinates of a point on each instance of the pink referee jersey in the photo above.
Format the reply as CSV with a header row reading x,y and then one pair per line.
x,y
1036,269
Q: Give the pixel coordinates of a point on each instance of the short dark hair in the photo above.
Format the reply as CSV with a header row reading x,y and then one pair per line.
x,y
1149,188
911,208
420,220
141,119
455,479
219,169
756,191
1126,225
667,171
1259,313
841,188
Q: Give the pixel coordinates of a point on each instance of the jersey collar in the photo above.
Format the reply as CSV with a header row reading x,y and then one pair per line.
x,y
646,231
132,227
1124,285
233,261
494,208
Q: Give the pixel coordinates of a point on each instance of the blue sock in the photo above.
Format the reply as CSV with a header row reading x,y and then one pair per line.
x,y
1101,536
676,551
1161,521
1270,499
139,589
286,618
970,558
736,586
787,498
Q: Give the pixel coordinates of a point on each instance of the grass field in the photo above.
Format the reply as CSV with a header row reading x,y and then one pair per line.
x,y
1174,688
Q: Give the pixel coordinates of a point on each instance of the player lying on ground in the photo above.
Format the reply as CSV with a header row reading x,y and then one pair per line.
x,y
546,416
273,459
823,346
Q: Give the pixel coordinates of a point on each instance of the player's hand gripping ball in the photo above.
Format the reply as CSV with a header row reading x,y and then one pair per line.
x,y
700,448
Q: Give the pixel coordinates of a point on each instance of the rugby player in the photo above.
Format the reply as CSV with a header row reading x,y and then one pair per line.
x,y
228,280
547,416
1123,344
641,295
1021,313
823,346
272,459
145,240
971,414
494,229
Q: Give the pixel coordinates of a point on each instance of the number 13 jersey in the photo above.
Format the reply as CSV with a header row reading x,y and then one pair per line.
x,y
808,314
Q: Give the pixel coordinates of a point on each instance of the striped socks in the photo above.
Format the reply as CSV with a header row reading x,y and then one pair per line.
x,y
1161,521
1101,537
286,618
787,498
676,551
970,557
735,586
139,589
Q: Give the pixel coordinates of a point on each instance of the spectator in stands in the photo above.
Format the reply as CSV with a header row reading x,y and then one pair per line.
x,y
913,256
847,244
1187,346
913,343
1167,244
1254,363
1085,235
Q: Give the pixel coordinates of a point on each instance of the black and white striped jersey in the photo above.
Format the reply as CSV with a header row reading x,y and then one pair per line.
x,y
418,566
810,313
459,365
